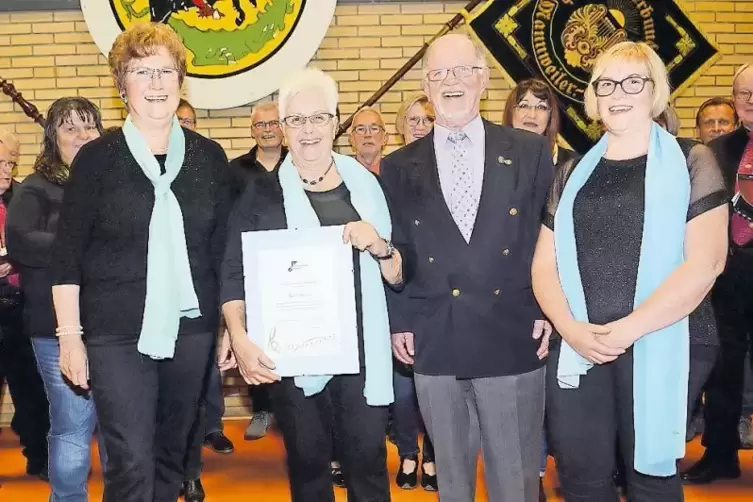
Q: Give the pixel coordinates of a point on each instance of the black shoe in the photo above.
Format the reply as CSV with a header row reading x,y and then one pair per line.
x,y
429,481
218,442
620,482
38,469
542,493
337,477
192,491
407,480
710,468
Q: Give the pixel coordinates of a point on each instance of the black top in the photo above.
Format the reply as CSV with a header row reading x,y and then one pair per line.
x,y
471,305
333,208
261,208
608,218
247,165
30,231
103,234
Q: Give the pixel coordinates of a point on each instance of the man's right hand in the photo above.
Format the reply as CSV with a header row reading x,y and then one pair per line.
x,y
254,365
402,347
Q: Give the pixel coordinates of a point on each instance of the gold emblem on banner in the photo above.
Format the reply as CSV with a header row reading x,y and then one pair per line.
x,y
588,32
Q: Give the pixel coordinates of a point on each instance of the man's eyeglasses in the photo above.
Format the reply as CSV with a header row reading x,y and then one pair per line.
x,y
148,74
272,124
414,120
743,95
631,85
317,119
528,107
462,71
186,121
8,164
373,129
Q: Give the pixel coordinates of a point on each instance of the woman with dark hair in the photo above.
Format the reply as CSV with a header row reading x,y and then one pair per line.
x,y
32,222
532,107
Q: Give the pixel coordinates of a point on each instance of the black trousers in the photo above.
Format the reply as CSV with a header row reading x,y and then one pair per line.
x,y
583,424
193,463
145,410
31,420
307,425
702,360
260,398
731,296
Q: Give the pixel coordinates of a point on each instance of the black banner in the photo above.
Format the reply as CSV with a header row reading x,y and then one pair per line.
x,y
558,41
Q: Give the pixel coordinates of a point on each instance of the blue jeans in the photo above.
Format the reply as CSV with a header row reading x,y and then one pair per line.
x,y
406,417
72,423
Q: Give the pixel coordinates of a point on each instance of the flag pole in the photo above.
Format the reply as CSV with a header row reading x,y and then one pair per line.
x,y
448,26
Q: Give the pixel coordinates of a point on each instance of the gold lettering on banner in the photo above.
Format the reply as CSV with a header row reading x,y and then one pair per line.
x,y
547,63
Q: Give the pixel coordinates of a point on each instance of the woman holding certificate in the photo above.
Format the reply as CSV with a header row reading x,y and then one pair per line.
x,y
139,244
315,187
634,236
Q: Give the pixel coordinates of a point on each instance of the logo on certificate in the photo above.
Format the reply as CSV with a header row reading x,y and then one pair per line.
x,y
238,51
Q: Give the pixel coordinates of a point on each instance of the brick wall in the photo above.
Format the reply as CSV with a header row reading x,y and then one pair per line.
x,y
49,55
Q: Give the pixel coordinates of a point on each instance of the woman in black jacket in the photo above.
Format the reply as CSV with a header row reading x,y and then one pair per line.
x,y
32,222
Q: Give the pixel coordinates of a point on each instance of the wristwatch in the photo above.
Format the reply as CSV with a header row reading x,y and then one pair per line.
x,y
390,252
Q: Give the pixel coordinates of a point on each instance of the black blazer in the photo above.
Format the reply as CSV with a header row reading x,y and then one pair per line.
x,y
729,150
471,306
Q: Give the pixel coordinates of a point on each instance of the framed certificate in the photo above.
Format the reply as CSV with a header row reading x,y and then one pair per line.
x,y
300,300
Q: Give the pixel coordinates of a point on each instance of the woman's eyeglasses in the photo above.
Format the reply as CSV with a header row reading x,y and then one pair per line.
x,y
631,85
414,120
317,119
528,107
147,74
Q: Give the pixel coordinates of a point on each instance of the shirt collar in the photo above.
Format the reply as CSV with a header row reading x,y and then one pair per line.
x,y
473,129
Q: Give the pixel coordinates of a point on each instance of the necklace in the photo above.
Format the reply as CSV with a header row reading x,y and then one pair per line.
x,y
314,182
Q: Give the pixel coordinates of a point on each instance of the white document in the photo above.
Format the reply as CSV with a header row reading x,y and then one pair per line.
x,y
300,300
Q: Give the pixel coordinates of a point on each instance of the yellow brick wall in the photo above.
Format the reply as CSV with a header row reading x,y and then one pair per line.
x,y
49,55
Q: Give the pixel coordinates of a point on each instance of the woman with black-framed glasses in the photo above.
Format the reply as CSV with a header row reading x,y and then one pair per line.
x,y
314,187
634,236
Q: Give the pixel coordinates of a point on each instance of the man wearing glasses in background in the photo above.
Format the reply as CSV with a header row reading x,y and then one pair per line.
x,y
368,137
268,152
731,298
265,157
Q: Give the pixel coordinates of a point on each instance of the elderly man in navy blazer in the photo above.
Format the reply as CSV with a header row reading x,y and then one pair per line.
x,y
471,194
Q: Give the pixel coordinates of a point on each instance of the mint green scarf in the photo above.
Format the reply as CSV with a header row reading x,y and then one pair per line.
x,y
660,359
170,293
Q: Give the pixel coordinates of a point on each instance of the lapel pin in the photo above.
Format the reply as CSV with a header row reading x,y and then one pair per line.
x,y
503,160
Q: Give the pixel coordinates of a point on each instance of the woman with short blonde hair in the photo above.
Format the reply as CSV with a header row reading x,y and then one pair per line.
x,y
140,237
634,236
415,118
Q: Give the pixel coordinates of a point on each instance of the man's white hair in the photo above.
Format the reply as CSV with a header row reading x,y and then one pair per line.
x,y
263,107
368,109
739,72
480,53
309,79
